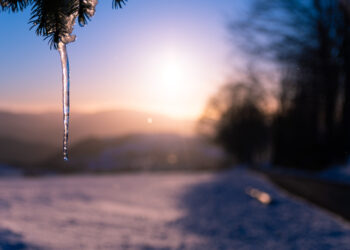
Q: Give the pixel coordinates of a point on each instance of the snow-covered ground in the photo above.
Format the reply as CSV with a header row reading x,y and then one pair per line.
x,y
160,211
337,173
6,170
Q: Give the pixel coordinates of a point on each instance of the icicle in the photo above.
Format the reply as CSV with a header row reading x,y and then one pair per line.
x,y
65,96
64,40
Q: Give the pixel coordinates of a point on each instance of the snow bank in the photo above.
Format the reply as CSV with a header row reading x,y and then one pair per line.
x,y
162,211
6,170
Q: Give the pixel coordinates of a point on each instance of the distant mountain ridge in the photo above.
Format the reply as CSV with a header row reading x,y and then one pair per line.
x,y
18,153
137,152
46,128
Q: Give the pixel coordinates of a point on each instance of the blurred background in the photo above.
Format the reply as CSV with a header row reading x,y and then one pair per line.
x,y
140,80
266,82
187,86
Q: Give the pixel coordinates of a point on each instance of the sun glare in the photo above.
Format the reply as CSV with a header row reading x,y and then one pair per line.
x,y
172,75
173,82
173,78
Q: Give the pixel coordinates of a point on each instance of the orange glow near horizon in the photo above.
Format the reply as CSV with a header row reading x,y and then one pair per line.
x,y
162,58
176,84
171,82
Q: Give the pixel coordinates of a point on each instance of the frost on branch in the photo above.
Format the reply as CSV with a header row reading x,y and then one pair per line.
x,y
55,19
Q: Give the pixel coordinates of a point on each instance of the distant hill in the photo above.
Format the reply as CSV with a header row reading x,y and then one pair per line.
x,y
138,152
20,153
47,128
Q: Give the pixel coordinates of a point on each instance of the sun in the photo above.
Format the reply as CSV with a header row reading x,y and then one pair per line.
x,y
173,78
172,83
172,75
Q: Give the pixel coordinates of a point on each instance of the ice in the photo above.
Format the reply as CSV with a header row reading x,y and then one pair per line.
x,y
92,6
65,88
62,49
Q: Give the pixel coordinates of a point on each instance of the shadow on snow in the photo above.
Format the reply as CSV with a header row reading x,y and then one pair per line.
x,y
220,212
13,241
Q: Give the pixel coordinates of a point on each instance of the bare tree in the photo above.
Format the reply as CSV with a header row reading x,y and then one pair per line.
x,y
308,40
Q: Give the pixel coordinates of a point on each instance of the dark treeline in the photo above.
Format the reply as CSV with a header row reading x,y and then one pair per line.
x,y
308,42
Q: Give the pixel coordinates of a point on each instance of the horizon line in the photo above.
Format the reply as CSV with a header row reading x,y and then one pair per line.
x,y
17,111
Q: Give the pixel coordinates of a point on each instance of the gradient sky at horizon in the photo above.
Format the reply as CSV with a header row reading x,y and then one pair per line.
x,y
158,56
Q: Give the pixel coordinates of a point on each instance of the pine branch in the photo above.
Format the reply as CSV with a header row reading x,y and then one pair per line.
x,y
86,11
54,19
118,3
14,5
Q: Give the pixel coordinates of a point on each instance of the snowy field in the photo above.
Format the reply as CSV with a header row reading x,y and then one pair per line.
x,y
160,211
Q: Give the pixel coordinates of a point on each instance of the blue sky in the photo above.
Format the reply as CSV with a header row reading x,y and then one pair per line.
x,y
117,59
